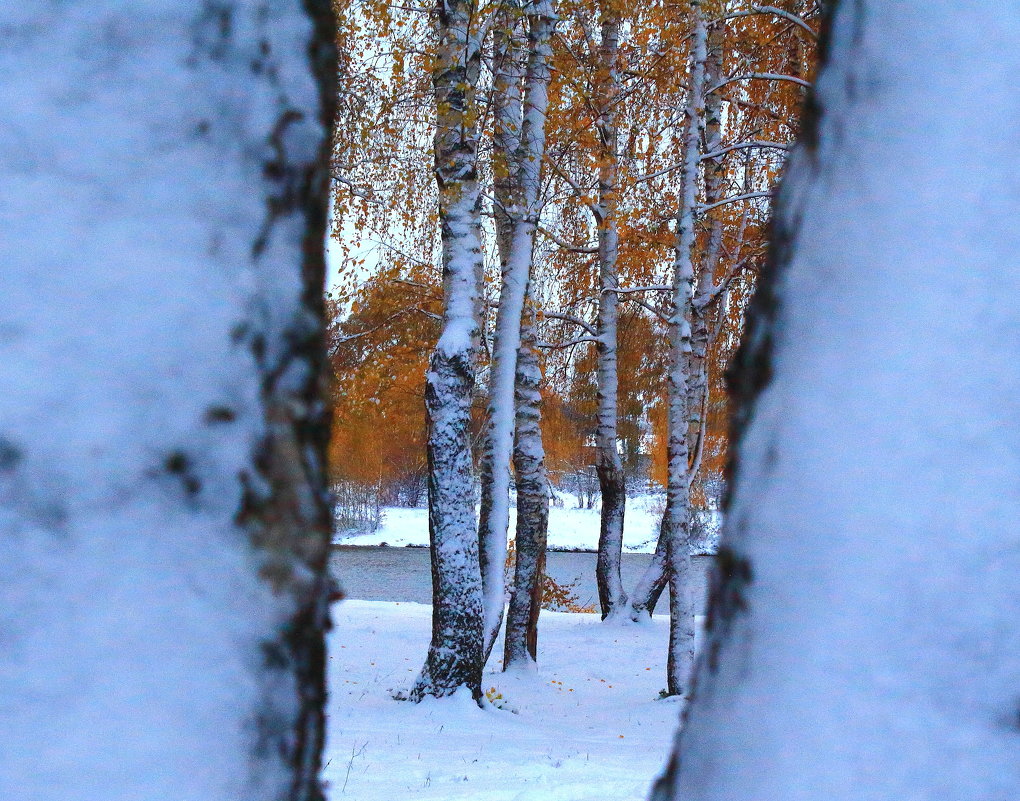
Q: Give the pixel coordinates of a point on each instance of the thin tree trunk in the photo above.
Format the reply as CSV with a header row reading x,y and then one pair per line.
x,y
524,195
653,580
677,518
656,575
165,524
715,187
455,653
508,70
608,465
521,643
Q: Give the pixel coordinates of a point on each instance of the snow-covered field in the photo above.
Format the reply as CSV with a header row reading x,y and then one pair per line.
x,y
570,528
587,724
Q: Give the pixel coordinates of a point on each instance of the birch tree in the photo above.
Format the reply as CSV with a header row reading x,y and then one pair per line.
x,y
521,642
522,212
612,483
677,517
164,524
455,653
884,665
717,267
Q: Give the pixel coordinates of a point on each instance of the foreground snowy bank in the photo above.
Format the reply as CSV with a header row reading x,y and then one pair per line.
x,y
588,723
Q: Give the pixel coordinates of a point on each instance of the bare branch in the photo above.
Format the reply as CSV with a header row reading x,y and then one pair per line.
x,y
564,245
570,344
648,307
569,318
357,191
578,190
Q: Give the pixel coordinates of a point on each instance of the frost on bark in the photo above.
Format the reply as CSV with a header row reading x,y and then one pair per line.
x,y
521,643
520,207
608,465
862,634
676,524
455,653
164,524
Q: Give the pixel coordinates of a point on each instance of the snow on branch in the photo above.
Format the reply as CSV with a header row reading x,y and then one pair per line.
x,y
702,207
357,191
649,288
779,12
760,76
744,146
705,298
714,155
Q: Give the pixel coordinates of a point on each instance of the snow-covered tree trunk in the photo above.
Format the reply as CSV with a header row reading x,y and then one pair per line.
x,y
521,643
715,187
455,653
608,464
863,638
164,526
509,58
653,580
524,209
676,523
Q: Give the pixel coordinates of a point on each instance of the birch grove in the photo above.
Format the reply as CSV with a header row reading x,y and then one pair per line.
x,y
564,191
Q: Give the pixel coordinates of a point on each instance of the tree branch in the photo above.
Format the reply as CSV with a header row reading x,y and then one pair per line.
x,y
703,207
779,12
569,318
760,76
743,146
564,245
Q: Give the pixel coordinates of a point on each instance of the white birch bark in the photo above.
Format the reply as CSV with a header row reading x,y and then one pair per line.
x,y
612,597
455,653
516,274
677,517
164,525
862,638
702,309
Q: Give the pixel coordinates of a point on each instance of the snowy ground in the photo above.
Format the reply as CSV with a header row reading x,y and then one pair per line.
x,y
588,724
570,528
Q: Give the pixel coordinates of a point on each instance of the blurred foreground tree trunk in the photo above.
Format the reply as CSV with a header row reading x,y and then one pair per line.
x,y
164,525
862,635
